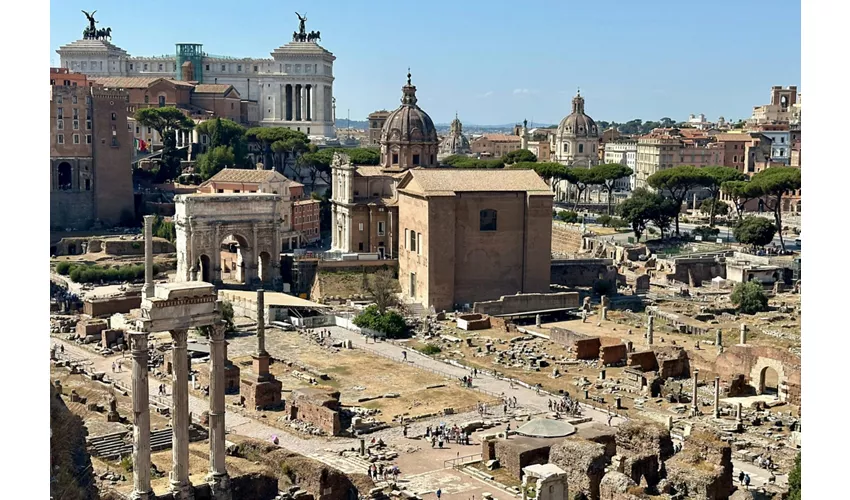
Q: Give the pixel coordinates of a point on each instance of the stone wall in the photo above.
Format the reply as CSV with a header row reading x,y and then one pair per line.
x,y
703,469
518,452
587,348
566,238
133,245
527,302
88,327
644,447
646,360
584,463
565,337
751,361
584,272
110,305
613,354
700,269
318,407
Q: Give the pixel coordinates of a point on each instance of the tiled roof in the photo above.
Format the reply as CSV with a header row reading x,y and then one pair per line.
x,y
211,88
246,175
732,137
499,138
376,171
135,82
453,180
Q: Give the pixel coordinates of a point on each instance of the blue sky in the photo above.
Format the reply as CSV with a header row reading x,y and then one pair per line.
x,y
494,61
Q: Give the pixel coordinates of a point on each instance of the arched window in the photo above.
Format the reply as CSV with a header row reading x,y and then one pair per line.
x,y
65,180
487,220
581,148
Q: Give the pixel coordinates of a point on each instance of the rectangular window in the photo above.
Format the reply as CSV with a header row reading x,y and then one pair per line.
x,y
256,69
88,184
360,226
413,241
131,66
76,138
360,247
419,243
59,99
88,138
160,66
146,67
416,159
60,124
395,158
74,101
406,231
88,124
59,114
487,220
223,67
238,67
76,125
76,113
60,139
381,228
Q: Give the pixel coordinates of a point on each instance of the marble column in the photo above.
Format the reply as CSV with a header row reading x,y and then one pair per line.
x,y
148,288
743,333
141,418
180,485
261,323
694,398
302,99
739,414
308,102
650,326
718,338
217,478
216,256
716,397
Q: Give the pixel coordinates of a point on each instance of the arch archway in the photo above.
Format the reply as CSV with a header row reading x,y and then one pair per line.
x,y
769,381
205,268
65,178
264,270
235,259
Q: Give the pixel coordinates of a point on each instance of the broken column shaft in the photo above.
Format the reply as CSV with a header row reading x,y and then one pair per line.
x,y
696,385
141,418
716,397
180,485
147,289
649,329
743,333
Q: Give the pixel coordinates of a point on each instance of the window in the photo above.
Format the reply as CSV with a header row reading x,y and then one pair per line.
x,y
219,190
76,138
487,220
412,241
161,101
160,66
76,125
88,185
74,101
381,228
88,138
395,158
60,139
416,159
238,67
256,68
114,142
223,67
145,67
237,190
147,99
131,66
360,226
419,243
88,124
781,152
149,130
308,128
781,139
59,113
60,124
360,247
114,116
88,100
581,148
59,97
405,237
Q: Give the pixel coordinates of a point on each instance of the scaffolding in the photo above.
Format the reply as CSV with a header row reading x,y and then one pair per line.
x,y
192,52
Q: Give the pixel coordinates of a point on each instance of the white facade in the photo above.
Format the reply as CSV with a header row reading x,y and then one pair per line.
x,y
780,147
293,89
624,153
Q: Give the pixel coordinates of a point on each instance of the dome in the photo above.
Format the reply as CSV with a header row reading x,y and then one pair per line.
x,y
578,124
408,123
546,428
455,142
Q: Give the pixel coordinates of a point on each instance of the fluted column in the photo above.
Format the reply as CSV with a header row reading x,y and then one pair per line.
x,y
180,485
141,418
217,478
303,100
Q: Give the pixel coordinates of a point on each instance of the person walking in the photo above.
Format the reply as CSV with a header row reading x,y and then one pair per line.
x,y
404,354
747,481
741,477
439,493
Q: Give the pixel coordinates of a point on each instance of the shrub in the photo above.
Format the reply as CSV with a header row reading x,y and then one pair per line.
x,y
754,231
605,220
63,268
81,273
618,223
126,463
430,349
568,216
749,297
390,323
707,233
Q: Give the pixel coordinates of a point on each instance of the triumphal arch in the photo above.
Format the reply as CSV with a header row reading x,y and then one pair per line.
x,y
229,238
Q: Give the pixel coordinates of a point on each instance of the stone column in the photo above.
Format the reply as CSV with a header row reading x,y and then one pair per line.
x,y
694,398
180,485
743,333
716,397
217,478
216,256
718,338
650,326
739,414
141,418
261,323
148,288
604,314
255,266
304,103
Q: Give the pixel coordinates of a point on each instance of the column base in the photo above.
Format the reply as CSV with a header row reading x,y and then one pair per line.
x,y
182,491
138,495
219,486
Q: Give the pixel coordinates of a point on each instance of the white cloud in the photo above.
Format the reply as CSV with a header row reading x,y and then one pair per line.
x,y
485,94
520,91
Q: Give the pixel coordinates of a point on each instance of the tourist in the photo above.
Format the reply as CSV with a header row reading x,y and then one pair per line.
x,y
747,481
440,442
741,477
404,355
404,431
113,367
62,348
439,493
507,430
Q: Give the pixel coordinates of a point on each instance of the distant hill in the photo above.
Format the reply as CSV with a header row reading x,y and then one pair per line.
x,y
364,124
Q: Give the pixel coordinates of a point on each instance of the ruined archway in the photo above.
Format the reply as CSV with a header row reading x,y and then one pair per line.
x,y
768,381
221,236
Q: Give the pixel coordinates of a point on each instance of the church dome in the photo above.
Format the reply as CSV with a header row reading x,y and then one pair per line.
x,y
455,142
408,123
578,124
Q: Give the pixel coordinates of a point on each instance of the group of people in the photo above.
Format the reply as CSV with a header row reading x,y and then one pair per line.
x,y
117,366
442,434
381,473
161,390
765,462
466,381
565,405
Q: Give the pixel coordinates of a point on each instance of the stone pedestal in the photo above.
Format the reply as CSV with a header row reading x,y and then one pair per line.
x,y
181,488
260,391
141,419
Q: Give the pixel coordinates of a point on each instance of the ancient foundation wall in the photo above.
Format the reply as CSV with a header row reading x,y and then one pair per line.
x,y
566,238
516,453
613,354
527,302
111,305
584,272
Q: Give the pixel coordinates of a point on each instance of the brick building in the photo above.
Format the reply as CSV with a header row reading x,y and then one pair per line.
x,y
666,148
90,173
473,235
495,145
376,124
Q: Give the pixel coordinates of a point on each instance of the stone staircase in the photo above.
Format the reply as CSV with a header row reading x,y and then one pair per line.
x,y
118,444
350,464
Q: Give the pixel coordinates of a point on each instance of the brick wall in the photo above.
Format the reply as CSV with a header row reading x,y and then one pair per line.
x,y
584,272
112,305
566,238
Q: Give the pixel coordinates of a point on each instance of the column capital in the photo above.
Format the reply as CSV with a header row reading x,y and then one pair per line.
x,y
217,332
179,337
138,341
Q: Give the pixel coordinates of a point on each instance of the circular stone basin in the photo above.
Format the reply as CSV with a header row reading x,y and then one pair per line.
x,y
546,428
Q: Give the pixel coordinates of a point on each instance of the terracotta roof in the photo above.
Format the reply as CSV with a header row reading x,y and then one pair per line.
x,y
733,137
245,175
376,171
499,138
136,82
452,180
211,88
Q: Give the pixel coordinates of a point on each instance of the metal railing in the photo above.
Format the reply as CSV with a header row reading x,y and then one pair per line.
x,y
455,462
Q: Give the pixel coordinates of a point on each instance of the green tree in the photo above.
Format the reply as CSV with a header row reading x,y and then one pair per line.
x,y
362,156
664,213
795,480
677,181
280,145
581,178
224,132
749,297
740,192
706,232
754,231
166,121
774,183
519,155
607,174
638,210
712,207
390,322
461,161
717,175
214,161
551,172
567,216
